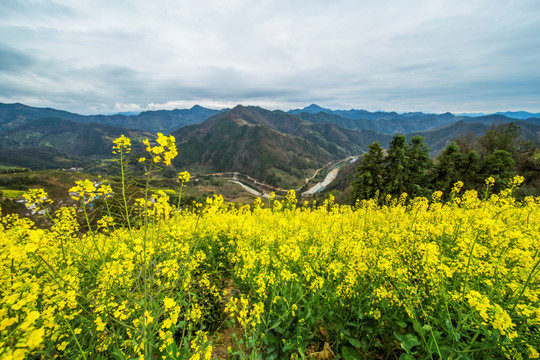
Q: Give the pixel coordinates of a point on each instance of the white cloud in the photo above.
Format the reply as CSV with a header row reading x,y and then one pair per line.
x,y
434,55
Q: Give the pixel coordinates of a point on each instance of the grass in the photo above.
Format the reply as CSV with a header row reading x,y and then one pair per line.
x,y
12,194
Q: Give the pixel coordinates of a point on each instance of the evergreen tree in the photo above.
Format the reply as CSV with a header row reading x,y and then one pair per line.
x,y
446,169
397,166
499,165
370,174
469,170
501,137
418,169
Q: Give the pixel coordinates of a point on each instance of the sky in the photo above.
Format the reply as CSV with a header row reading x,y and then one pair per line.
x,y
108,56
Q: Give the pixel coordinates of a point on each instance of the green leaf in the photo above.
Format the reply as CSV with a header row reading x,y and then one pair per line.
x,y
117,355
288,346
269,338
308,315
357,344
275,326
407,341
418,327
349,353
406,356
181,324
278,329
433,341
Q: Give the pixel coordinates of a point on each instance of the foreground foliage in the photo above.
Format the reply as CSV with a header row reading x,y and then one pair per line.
x,y
406,279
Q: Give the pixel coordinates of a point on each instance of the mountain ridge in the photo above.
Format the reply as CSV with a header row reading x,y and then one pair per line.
x,y
267,144
17,114
277,147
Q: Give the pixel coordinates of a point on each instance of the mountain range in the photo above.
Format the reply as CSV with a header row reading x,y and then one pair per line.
x,y
15,115
277,147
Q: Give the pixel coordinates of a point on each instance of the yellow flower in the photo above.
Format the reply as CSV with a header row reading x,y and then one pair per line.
x,y
62,346
148,318
100,324
104,190
86,191
516,181
183,177
457,187
533,353
164,152
36,198
480,303
436,196
35,338
503,322
122,144
168,303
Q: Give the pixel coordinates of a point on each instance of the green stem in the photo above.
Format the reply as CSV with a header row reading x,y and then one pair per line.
x,y
467,268
124,189
526,282
76,341
86,218
180,196
61,238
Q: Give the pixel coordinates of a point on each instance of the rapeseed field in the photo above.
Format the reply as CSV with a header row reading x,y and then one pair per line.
x,y
384,279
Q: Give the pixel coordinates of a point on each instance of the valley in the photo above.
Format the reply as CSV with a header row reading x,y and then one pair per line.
x,y
259,150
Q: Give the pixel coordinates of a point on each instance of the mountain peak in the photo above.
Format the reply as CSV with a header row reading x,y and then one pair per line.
x,y
314,108
311,109
239,109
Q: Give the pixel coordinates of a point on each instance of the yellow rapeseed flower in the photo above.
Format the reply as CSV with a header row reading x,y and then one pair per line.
x,y
183,177
122,144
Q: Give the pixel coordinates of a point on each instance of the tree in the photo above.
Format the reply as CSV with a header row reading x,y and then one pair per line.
x,y
499,166
501,137
469,169
446,169
370,174
419,164
397,166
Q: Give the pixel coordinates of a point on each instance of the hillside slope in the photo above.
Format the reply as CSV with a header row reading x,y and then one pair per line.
x,y
245,141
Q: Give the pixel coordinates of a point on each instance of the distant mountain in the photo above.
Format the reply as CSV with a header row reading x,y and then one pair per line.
x,y
272,146
53,143
38,158
388,124
354,114
311,109
275,147
14,115
384,122
437,139
472,114
392,122
167,121
494,119
239,140
520,115
347,114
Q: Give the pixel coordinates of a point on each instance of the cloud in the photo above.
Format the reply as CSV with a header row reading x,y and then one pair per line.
x,y
437,55
13,60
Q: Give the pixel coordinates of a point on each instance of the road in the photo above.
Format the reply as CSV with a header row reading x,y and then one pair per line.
x,y
331,176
